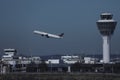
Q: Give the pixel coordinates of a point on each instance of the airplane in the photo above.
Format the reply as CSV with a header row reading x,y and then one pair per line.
x,y
48,35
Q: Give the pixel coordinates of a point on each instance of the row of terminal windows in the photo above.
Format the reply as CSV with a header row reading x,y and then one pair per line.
x,y
106,28
106,32
106,23
11,51
106,16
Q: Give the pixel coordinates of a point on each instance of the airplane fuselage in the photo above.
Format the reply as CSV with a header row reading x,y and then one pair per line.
x,y
48,35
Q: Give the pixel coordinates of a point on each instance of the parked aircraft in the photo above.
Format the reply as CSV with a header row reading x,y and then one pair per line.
x,y
48,35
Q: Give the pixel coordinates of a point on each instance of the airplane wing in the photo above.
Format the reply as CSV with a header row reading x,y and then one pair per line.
x,y
40,32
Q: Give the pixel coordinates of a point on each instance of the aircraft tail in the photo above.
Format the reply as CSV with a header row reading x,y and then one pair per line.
x,y
61,35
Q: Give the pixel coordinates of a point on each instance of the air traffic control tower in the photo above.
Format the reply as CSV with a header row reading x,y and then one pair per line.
x,y
106,26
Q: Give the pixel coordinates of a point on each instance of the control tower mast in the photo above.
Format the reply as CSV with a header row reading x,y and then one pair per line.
x,y
106,26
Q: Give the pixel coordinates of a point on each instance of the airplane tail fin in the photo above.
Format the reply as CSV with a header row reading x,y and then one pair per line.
x,y
61,35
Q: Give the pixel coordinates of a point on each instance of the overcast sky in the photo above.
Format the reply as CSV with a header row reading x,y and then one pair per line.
x,y
76,18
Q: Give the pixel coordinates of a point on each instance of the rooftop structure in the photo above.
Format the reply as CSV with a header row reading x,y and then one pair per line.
x,y
9,53
71,59
90,60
